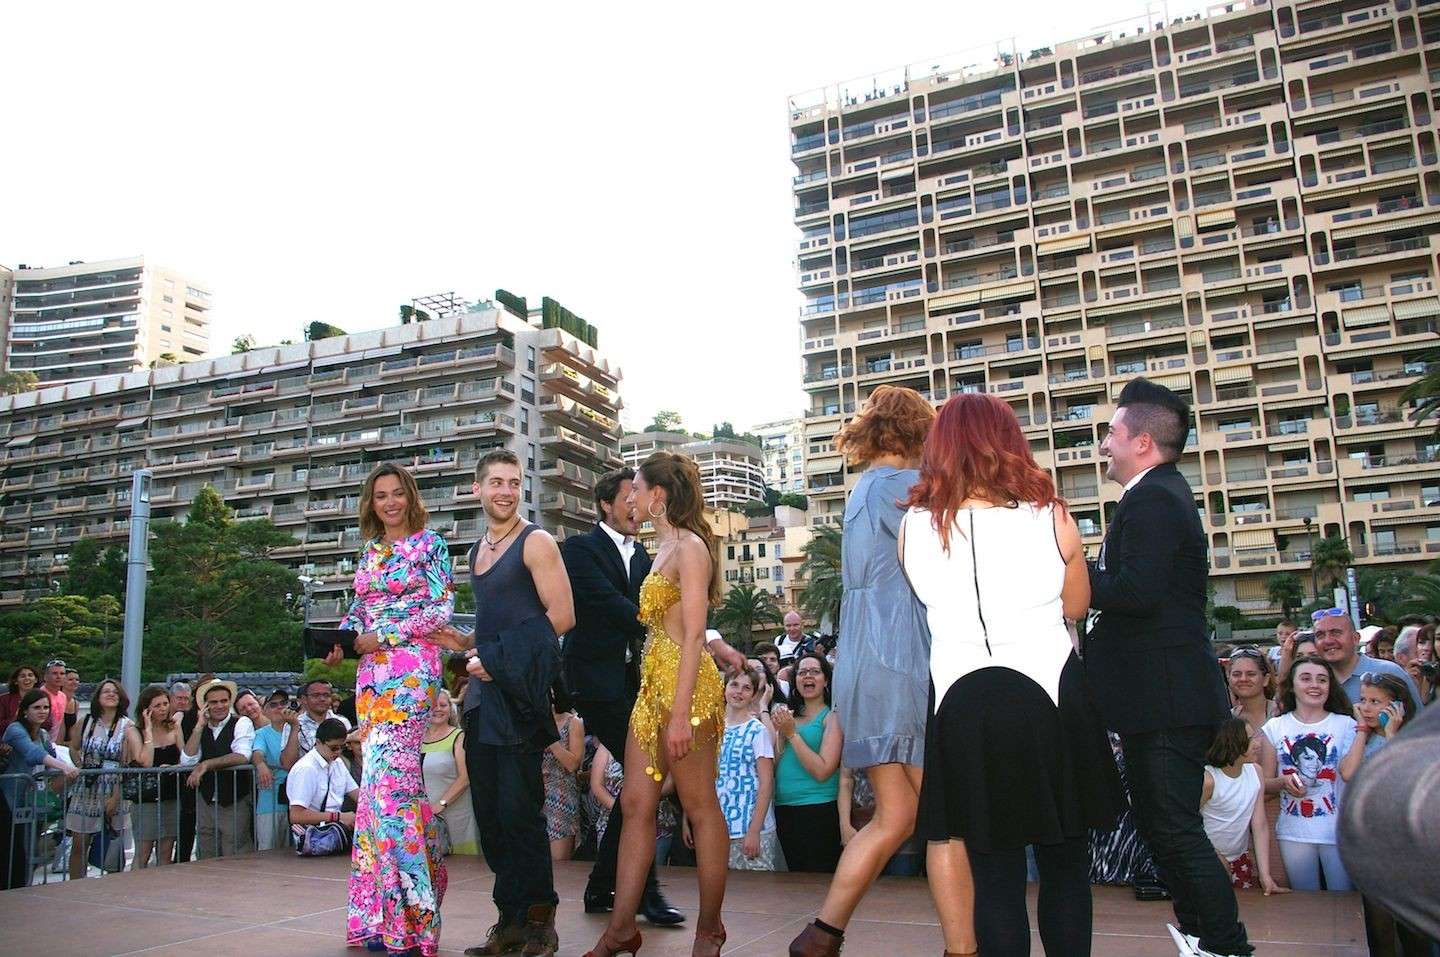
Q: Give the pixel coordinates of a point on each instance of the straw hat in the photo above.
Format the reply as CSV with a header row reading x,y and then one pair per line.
x,y
211,685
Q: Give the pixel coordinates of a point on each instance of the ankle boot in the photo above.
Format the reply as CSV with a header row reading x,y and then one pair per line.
x,y
814,942
540,937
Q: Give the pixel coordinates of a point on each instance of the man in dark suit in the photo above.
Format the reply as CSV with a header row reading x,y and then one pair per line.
x,y
601,660
1149,660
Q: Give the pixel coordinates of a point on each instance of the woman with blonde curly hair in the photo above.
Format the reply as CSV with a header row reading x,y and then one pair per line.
x,y
882,678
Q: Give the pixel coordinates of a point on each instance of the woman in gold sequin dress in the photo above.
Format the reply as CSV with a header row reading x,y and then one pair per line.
x,y
679,716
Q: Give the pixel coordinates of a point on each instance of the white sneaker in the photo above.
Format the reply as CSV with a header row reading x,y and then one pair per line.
x,y
1186,945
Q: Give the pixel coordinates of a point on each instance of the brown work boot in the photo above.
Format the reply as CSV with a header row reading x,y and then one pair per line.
x,y
814,942
539,931
505,937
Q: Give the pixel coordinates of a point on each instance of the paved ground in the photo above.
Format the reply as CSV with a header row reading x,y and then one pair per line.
x,y
277,904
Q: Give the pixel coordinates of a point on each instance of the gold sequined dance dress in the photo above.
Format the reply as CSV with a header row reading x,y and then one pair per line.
x,y
659,673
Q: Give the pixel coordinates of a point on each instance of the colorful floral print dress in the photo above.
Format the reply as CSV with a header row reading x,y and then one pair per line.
x,y
403,592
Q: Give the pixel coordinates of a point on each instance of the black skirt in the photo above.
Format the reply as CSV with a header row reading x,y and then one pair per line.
x,y
1004,767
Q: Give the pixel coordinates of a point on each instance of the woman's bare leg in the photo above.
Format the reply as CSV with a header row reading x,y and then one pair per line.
x,y
639,797
166,847
142,854
948,868
897,795
695,784
79,849
561,849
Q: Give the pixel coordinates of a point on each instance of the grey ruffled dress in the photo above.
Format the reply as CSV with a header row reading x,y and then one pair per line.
x,y
882,665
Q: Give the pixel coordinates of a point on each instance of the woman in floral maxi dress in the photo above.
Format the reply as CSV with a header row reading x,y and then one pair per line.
x,y
403,594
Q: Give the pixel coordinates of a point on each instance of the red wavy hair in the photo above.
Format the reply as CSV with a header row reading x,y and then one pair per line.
x,y
975,450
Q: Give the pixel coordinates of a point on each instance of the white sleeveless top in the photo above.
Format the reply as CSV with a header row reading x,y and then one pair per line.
x,y
1227,813
993,600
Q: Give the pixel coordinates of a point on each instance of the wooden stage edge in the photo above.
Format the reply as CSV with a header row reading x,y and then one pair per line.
x,y
277,903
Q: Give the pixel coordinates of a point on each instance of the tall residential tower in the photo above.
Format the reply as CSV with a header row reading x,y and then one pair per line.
x,y
1242,205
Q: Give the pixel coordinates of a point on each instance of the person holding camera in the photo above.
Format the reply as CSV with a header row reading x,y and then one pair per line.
x,y
276,749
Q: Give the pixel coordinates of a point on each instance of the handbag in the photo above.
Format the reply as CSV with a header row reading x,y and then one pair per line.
x,y
107,850
440,844
140,788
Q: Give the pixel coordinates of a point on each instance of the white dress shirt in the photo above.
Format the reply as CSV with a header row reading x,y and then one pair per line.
x,y
625,543
243,743
1135,480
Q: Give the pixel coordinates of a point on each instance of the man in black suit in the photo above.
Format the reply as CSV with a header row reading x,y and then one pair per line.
x,y
601,660
1150,663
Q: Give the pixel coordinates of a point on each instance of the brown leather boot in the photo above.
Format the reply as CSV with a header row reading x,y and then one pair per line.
x,y
505,937
540,937
814,942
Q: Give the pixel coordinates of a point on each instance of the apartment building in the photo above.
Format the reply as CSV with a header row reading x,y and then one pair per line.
x,y
731,471
1240,204
766,551
86,320
781,442
290,432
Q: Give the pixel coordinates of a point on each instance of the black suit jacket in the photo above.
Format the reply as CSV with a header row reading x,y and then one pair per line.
x,y
607,603
1148,656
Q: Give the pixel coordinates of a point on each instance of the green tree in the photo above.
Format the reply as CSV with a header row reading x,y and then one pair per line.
x,y
1331,557
794,500
744,609
724,431
464,598
820,571
1387,588
666,420
217,600
84,632
242,344
93,571
317,330
1421,597
1285,590
13,383
163,359
1425,391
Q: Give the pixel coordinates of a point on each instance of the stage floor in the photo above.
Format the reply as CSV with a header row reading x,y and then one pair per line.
x,y
276,903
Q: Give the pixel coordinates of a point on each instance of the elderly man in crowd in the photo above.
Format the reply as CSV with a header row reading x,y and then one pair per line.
x,y
788,644
317,700
1338,642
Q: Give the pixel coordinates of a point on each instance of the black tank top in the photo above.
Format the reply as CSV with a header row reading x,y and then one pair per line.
x,y
505,596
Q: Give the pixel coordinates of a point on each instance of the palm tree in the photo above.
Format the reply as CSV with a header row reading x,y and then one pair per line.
x,y
1422,597
1332,556
821,573
1425,391
744,609
1285,590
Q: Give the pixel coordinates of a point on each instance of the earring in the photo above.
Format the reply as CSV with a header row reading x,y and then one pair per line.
x,y
650,509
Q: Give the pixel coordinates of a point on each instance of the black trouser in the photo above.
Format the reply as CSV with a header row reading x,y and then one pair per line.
x,y
507,791
809,836
609,722
15,843
185,843
1002,926
1166,770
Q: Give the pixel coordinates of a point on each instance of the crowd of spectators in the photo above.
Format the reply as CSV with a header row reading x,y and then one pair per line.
x,y
237,771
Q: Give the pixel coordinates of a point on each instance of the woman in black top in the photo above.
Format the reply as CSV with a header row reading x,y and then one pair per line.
x,y
156,816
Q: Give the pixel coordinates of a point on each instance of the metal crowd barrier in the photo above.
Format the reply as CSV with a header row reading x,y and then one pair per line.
x,y
49,827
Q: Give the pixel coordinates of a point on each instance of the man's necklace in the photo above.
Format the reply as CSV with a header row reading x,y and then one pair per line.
x,y
492,544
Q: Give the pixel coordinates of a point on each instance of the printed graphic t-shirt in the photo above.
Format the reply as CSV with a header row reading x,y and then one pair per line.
x,y
738,781
1311,753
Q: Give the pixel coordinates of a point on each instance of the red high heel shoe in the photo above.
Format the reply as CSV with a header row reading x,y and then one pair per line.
x,y
615,948
706,939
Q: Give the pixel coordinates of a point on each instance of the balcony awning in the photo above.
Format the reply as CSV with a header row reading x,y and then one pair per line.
x,y
130,423
1366,316
20,441
1197,338
1417,307
1009,291
1232,374
1176,381
1412,518
1138,306
1096,352
1063,245
1215,218
1253,539
1370,229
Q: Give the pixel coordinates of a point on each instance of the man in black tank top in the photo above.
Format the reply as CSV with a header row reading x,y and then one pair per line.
x,y
522,602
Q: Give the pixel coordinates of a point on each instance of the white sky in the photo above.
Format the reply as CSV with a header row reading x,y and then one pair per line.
x,y
331,161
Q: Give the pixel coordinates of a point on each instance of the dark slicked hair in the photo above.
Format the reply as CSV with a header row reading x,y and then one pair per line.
x,y
609,486
1159,413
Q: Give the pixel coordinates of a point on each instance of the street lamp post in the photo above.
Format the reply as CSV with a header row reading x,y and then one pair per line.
x,y
1310,539
135,571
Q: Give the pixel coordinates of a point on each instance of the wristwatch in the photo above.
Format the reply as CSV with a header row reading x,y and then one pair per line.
x,y
444,804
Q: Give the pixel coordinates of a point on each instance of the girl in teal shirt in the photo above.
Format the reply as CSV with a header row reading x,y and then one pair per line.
x,y
807,774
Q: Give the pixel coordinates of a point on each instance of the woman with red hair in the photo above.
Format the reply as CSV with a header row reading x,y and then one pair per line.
x,y
1015,755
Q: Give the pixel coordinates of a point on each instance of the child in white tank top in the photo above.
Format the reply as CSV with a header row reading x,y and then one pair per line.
x,y
1232,802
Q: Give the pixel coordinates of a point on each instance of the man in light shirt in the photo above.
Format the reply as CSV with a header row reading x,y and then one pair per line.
x,y
319,783
317,701
219,748
52,685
